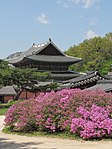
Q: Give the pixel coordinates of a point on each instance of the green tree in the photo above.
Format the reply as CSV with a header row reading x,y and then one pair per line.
x,y
96,54
20,77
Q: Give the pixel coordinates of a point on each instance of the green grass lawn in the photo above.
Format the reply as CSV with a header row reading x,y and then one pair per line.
x,y
3,111
5,106
62,135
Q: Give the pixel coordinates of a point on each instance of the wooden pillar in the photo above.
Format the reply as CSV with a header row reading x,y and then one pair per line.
x,y
35,94
26,94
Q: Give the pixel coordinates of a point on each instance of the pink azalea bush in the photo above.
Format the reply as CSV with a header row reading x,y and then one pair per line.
x,y
61,111
92,123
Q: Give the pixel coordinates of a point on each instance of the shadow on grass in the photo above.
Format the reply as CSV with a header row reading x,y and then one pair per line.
x,y
7,144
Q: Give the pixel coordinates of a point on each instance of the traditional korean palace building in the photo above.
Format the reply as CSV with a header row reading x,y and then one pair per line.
x,y
48,57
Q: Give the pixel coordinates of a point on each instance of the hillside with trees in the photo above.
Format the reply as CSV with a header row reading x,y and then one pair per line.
x,y
96,54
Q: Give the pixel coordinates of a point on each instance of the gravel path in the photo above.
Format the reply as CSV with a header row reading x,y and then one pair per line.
x,y
8,141
1,122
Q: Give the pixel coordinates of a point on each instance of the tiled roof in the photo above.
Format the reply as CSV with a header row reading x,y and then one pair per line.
x,y
70,75
33,54
42,84
33,50
47,58
7,90
105,85
84,79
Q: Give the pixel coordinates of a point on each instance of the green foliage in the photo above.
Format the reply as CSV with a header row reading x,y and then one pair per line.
x,y
54,86
5,106
20,77
8,104
40,76
96,54
3,64
3,111
5,73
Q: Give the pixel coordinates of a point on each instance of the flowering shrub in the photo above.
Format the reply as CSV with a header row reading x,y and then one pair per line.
x,y
56,111
93,123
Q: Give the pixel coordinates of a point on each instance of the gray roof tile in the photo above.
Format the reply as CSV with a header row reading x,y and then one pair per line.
x,y
7,90
47,58
33,54
105,85
33,50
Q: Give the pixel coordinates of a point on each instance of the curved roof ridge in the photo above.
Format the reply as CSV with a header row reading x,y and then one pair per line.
x,y
73,57
35,49
31,51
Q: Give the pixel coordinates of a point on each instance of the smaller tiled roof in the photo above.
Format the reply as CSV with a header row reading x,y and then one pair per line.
x,y
66,75
84,79
42,84
105,85
7,90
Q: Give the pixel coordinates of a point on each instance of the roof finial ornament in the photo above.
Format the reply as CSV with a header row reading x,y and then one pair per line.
x,y
50,39
33,44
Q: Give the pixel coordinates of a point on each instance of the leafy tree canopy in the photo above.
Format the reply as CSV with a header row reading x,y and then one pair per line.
x,y
20,77
96,54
